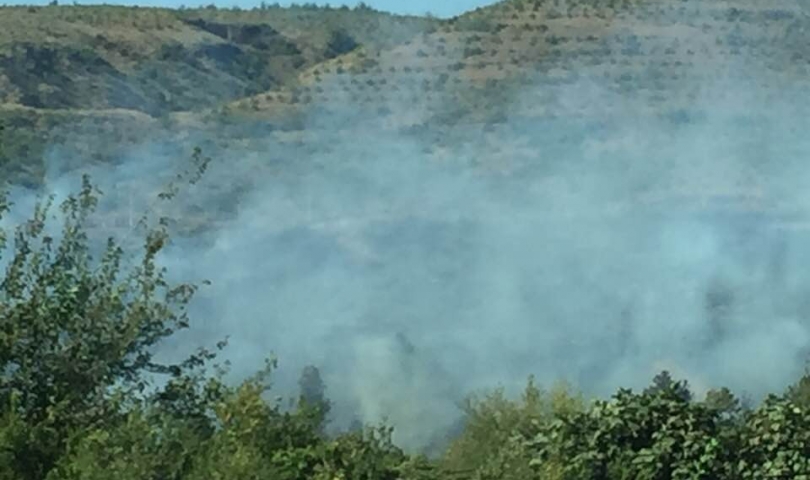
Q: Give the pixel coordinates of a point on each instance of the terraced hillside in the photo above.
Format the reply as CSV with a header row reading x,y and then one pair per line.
x,y
593,63
271,71
658,52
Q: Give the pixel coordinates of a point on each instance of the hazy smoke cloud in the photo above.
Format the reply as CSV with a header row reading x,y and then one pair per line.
x,y
413,269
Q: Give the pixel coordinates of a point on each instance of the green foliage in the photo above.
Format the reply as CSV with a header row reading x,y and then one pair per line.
x,y
77,399
474,23
776,441
76,336
21,149
148,443
76,333
799,392
312,398
489,446
662,434
657,434
340,42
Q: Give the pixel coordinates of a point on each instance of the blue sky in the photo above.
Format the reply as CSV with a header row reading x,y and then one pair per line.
x,y
441,8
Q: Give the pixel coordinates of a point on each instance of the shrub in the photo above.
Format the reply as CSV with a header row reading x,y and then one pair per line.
x,y
77,334
340,43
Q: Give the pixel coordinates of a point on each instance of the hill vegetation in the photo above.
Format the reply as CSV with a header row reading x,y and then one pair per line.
x,y
67,70
81,396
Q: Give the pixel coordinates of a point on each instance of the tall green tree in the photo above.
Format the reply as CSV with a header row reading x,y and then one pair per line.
x,y
312,396
77,332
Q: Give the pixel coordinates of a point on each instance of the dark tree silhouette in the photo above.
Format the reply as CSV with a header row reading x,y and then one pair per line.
x,y
340,42
664,382
312,396
311,385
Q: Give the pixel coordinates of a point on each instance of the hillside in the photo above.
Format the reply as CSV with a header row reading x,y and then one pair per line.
x,y
159,61
57,61
649,51
90,84
504,70
589,190
274,62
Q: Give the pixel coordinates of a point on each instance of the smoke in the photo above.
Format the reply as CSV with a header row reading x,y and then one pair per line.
x,y
600,245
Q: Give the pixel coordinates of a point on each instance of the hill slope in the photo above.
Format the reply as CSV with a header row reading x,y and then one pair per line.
x,y
60,62
517,59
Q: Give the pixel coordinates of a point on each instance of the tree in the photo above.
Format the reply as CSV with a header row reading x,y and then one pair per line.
x,y
76,334
340,43
363,7
799,392
312,395
311,385
664,382
723,401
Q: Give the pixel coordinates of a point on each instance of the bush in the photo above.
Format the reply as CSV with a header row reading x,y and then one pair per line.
x,y
77,334
340,43
489,443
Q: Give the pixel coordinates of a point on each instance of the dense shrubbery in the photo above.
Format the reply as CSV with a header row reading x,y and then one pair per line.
x,y
77,403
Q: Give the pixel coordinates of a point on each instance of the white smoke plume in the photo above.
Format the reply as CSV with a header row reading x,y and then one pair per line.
x,y
600,247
